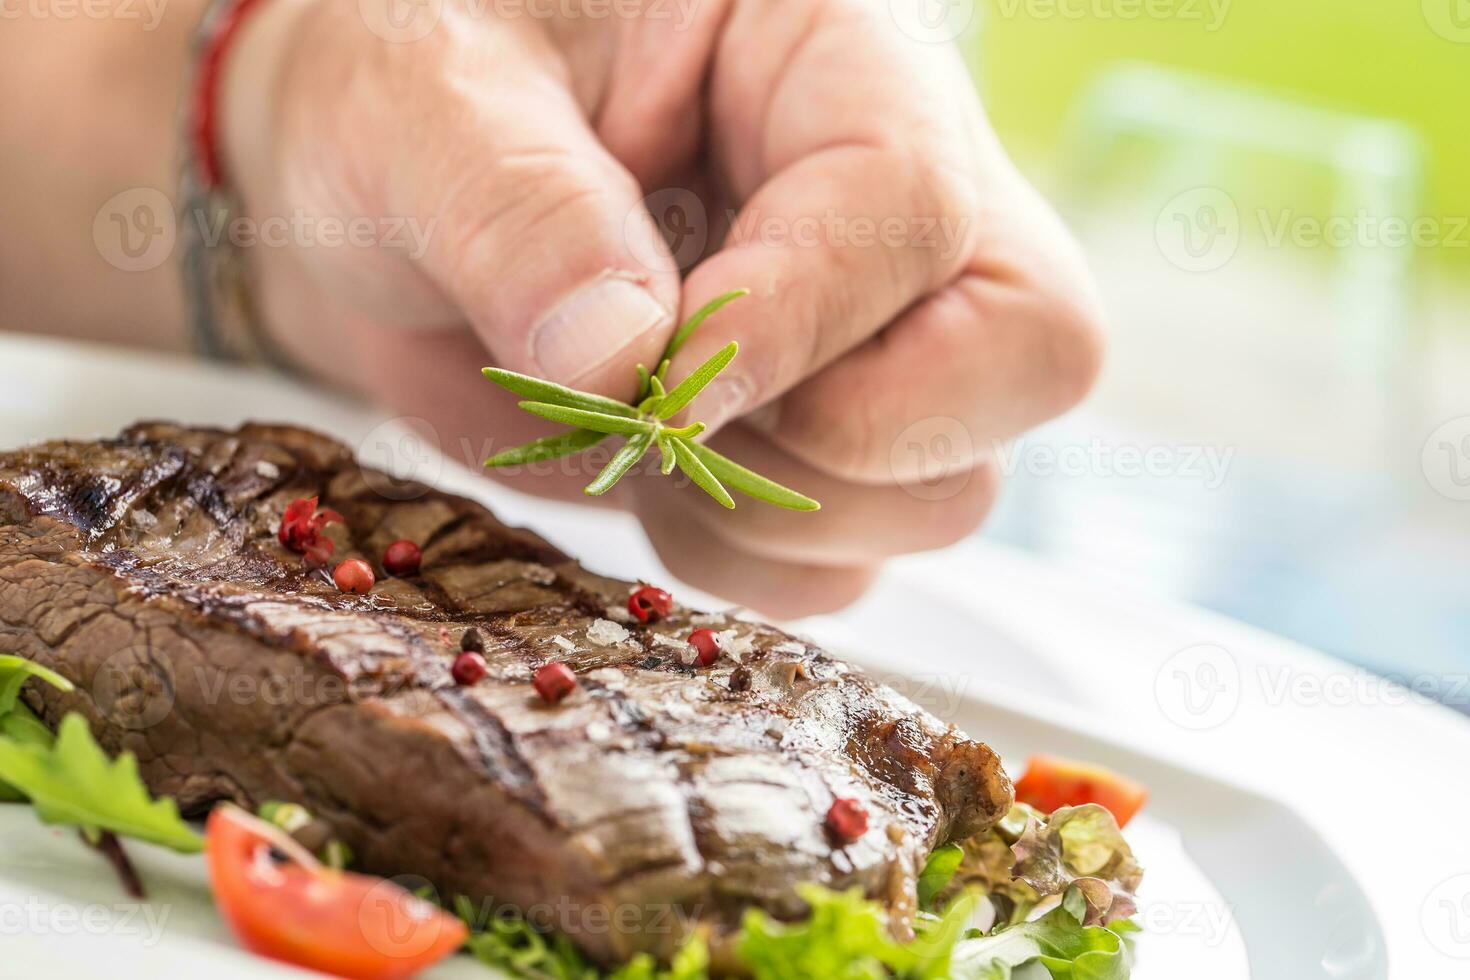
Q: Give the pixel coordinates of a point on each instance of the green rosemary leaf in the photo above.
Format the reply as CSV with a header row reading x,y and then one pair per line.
x,y
620,464
656,387
694,384
666,451
750,483
643,377
551,447
596,421
687,432
545,391
702,314
663,369
688,462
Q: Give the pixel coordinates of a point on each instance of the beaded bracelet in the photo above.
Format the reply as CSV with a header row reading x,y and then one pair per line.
x,y
222,318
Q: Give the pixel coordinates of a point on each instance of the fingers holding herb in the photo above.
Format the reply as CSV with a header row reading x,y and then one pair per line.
x,y
643,423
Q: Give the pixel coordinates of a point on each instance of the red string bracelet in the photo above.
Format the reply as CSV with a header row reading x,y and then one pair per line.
x,y
222,29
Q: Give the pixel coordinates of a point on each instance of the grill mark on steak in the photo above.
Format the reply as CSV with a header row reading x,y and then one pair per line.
x,y
654,785
497,747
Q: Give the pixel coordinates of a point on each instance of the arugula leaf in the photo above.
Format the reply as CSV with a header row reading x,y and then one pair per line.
x,y
17,722
15,671
938,871
73,782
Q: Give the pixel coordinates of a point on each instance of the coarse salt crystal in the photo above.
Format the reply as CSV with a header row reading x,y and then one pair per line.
x,y
267,470
679,711
143,518
788,646
564,643
606,632
619,613
735,646
608,677
708,619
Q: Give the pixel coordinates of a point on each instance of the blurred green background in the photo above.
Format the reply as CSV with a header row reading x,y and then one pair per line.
x,y
1402,60
1178,138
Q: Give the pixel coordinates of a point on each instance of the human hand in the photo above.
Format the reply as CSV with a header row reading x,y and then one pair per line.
x,y
909,289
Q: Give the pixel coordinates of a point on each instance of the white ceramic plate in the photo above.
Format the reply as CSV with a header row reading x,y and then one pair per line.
x,y
1018,655
1208,902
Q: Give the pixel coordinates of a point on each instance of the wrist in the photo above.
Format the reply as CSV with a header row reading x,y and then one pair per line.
x,y
249,92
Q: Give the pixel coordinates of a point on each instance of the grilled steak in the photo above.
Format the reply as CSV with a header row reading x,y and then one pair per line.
x,y
148,570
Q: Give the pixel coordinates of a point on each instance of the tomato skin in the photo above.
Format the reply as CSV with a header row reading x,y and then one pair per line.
x,y
301,912
1051,782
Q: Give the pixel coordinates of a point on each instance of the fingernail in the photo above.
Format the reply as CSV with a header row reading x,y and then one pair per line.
x,y
592,325
724,399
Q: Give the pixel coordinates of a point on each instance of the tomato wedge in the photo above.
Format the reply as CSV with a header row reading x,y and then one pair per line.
x,y
1051,782
283,903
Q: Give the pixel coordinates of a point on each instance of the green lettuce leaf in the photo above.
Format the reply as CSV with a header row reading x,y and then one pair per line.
x,y
938,872
15,671
73,782
19,723
1057,941
1028,860
848,937
512,944
1080,847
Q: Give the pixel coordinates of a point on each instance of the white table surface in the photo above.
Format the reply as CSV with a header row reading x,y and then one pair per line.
x,y
1381,774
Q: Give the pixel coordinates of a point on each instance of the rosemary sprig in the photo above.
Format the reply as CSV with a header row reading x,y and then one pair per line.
x,y
643,422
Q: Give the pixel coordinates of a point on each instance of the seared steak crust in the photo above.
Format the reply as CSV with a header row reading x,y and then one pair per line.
x,y
147,570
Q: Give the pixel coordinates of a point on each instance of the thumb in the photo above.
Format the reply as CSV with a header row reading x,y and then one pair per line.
x,y
544,243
